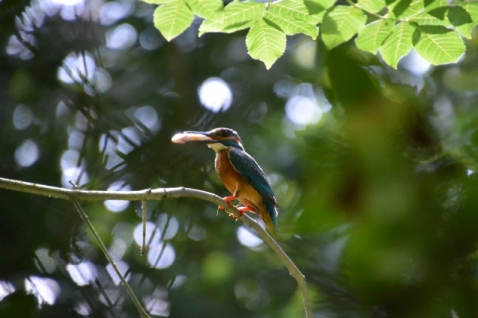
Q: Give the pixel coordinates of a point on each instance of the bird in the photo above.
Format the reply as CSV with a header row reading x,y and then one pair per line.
x,y
239,172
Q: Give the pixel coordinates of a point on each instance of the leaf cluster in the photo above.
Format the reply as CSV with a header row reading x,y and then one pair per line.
x,y
434,28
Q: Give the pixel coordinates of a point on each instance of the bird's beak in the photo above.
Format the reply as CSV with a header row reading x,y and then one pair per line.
x,y
187,136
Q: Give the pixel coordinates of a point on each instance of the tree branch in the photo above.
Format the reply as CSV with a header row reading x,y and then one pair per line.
x,y
160,194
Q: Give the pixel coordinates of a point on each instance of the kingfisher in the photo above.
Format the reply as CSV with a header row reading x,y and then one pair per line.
x,y
239,172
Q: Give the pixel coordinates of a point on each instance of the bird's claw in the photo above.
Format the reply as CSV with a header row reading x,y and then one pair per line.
x,y
241,209
229,200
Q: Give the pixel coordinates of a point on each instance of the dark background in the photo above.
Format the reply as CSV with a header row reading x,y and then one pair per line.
x,y
373,169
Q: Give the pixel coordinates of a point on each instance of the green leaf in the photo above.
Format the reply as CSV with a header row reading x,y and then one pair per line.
x,y
290,8
426,18
172,18
439,45
372,5
372,35
434,4
404,9
464,18
265,42
236,16
398,44
325,3
205,8
317,9
292,26
341,24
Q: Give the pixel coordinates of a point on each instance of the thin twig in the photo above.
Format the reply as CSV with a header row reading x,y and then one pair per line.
x,y
144,210
159,194
103,248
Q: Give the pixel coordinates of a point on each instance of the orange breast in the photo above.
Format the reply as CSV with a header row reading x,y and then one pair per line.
x,y
236,184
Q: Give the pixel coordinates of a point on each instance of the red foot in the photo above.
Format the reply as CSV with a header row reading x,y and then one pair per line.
x,y
228,199
243,209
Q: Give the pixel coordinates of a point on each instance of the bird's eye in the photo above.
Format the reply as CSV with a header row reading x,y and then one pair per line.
x,y
225,133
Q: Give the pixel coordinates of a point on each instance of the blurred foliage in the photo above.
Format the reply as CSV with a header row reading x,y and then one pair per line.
x,y
373,169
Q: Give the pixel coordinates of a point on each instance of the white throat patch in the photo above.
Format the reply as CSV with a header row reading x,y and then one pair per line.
x,y
217,146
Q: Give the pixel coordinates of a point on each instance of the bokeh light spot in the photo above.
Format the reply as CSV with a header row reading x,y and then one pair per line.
x,y
45,262
157,303
150,39
248,292
304,54
246,238
72,169
22,117
160,256
27,153
169,225
128,140
83,273
122,267
197,233
6,288
415,64
46,290
121,37
117,205
77,68
148,117
302,110
153,234
215,94
113,11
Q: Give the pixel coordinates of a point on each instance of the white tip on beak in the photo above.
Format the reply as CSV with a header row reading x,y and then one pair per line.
x,y
182,138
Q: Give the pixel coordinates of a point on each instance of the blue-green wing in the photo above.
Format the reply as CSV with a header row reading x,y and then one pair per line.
x,y
250,170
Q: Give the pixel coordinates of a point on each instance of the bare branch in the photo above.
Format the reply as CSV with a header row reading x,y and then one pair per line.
x,y
160,194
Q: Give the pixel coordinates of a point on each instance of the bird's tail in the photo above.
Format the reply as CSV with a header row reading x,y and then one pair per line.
x,y
270,219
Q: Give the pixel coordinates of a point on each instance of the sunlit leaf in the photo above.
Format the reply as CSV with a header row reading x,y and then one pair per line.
x,y
172,18
439,45
372,35
292,17
407,8
464,18
426,18
205,8
372,5
292,26
317,9
341,24
398,44
265,42
434,4
325,3
236,16
290,9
